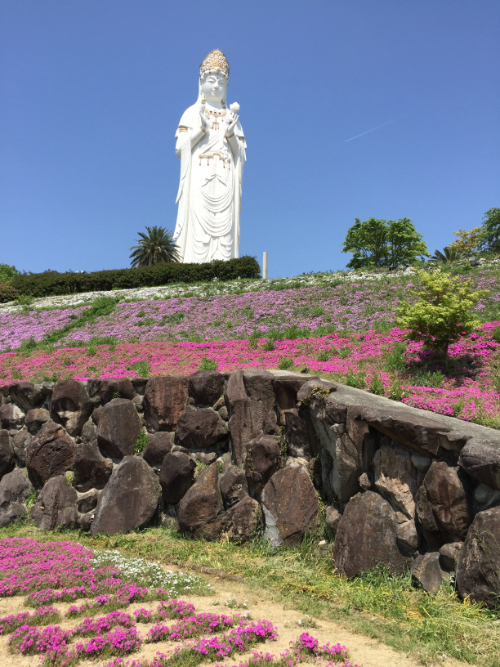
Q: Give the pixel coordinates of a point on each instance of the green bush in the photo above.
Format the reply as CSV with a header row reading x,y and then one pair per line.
x,y
7,293
51,283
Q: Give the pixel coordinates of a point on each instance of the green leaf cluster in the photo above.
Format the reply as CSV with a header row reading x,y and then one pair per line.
x,y
383,244
490,235
51,283
7,273
155,247
442,312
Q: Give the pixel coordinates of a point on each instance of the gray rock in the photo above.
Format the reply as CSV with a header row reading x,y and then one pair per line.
x,y
427,571
118,429
261,462
176,476
200,510
165,401
300,435
56,505
478,572
233,486
87,501
407,537
19,443
249,396
159,445
332,517
243,520
206,387
7,460
450,554
36,418
109,388
486,497
70,406
130,499
50,454
395,477
366,536
443,506
291,498
91,469
11,416
421,463
15,488
482,462
200,428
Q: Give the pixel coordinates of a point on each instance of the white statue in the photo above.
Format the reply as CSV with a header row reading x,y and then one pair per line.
x,y
211,146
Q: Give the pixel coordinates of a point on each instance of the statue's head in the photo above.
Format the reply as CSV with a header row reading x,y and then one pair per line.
x,y
214,77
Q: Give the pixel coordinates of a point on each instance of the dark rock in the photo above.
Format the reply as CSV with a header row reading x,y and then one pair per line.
x,y
300,435
87,501
85,521
176,476
19,444
165,401
138,403
250,397
407,537
200,509
159,445
395,477
91,469
140,385
427,571
89,432
200,428
332,517
36,418
96,415
311,388
366,536
421,463
56,505
70,405
486,497
261,462
122,386
450,554
206,387
27,395
242,520
286,388
206,459
94,391
443,507
50,454
11,416
15,487
223,413
7,460
482,462
478,572
130,499
291,499
233,486
118,429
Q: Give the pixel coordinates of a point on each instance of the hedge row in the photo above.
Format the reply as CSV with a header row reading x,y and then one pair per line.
x,y
52,283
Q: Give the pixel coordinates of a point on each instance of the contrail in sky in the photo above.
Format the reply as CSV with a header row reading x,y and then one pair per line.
x,y
375,128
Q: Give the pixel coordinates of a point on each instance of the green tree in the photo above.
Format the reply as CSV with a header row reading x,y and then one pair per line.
x,y
383,244
155,247
7,273
448,254
491,230
442,312
468,241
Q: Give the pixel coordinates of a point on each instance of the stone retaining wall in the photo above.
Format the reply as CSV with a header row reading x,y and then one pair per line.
x,y
257,450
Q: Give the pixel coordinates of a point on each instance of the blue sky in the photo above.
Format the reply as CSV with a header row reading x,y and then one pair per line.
x,y
92,92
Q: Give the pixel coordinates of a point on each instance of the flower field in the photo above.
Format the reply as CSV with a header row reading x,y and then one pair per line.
x,y
344,331
118,616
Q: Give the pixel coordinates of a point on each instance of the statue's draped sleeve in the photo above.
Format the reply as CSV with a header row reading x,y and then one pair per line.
x,y
183,151
239,165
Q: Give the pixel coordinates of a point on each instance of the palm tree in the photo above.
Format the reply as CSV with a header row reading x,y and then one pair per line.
x,y
155,247
448,255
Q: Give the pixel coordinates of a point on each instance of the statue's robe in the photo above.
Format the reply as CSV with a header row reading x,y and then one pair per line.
x,y
209,197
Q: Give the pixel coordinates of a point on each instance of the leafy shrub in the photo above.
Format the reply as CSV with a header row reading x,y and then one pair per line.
x,y
442,312
8,293
51,283
141,442
208,364
7,272
142,368
285,363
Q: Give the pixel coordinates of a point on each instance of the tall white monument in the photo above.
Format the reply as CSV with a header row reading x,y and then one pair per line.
x,y
211,146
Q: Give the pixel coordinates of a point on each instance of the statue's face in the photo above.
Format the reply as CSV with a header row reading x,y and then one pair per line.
x,y
214,87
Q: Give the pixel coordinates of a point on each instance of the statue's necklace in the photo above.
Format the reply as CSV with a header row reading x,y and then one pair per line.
x,y
216,115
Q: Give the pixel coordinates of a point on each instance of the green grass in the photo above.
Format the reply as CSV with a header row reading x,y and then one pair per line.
x,y
379,605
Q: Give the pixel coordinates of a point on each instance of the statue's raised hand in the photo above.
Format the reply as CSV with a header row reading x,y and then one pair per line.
x,y
203,120
231,125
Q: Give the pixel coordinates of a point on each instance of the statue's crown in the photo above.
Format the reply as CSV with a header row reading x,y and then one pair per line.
x,y
216,61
